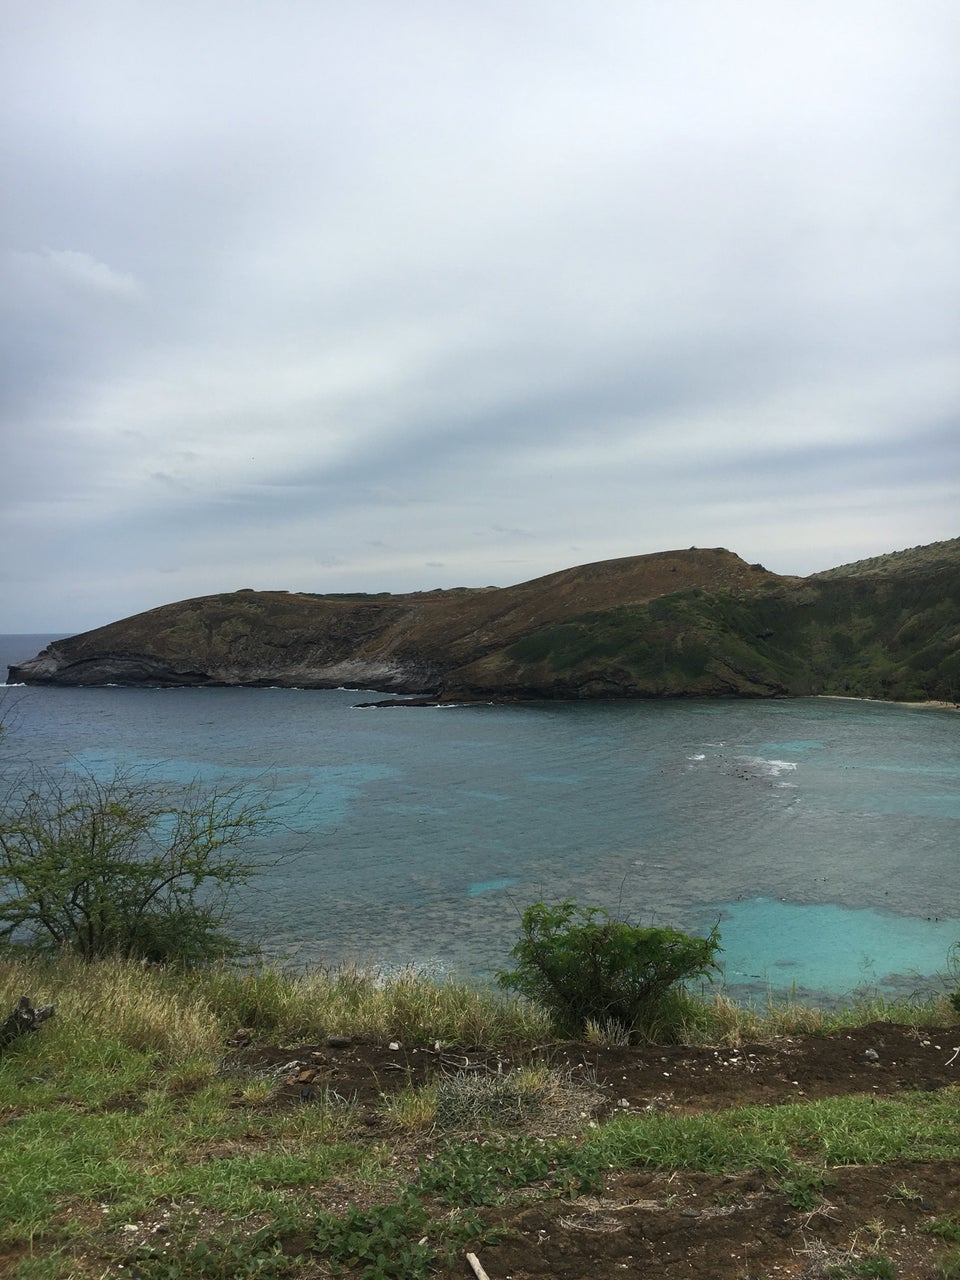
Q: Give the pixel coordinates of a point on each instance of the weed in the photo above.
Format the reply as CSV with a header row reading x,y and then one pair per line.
x,y
406,1005
235,1257
478,1100
720,1020
905,1193
258,1090
949,1266
606,1031
411,1108
398,1241
877,1268
475,1174
854,1129
803,1188
947,1228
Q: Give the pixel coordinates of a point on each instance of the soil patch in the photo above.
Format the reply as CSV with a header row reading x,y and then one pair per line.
x,y
879,1058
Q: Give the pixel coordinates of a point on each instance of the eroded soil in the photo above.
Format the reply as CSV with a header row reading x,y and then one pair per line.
x,y
879,1058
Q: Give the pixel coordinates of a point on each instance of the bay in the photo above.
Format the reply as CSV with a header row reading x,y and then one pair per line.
x,y
822,835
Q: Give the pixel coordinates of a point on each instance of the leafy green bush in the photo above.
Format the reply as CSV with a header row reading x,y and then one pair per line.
x,y
581,964
125,867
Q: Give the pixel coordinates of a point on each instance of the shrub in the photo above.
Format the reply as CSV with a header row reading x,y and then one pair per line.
x,y
125,867
582,965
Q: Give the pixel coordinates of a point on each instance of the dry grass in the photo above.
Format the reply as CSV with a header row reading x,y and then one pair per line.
x,y
722,1021
143,1008
348,1001
182,1015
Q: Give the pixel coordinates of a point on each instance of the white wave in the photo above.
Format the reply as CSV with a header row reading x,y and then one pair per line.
x,y
699,756
449,706
766,768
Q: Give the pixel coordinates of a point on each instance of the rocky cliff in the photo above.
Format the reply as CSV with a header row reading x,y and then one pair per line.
x,y
677,623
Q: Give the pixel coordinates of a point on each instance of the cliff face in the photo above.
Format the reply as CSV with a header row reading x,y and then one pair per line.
x,y
679,623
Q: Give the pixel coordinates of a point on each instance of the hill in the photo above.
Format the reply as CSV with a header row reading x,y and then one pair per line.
x,y
921,559
695,623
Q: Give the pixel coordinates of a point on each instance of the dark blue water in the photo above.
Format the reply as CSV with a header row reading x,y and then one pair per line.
x,y
824,835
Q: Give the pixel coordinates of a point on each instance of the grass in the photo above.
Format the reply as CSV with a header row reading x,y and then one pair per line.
x,y
722,1021
125,1108
176,1014
854,1129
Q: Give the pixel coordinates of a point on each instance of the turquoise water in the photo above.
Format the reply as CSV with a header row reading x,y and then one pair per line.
x,y
827,947
822,834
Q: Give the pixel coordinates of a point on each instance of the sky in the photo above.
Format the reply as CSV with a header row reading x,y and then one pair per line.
x,y
385,297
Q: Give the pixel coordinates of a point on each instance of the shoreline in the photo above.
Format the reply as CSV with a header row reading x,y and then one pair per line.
x,y
927,705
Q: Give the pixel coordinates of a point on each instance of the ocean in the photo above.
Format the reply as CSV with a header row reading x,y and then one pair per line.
x,y
821,835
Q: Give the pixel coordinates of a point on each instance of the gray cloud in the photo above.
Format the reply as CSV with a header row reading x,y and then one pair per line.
x,y
374,297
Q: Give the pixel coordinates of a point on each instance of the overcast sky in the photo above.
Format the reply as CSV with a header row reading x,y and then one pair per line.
x,y
388,296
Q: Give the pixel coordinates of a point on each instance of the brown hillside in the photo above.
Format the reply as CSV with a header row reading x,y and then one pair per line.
x,y
391,642
694,623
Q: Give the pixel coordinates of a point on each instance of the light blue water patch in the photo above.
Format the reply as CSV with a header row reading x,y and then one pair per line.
x,y
559,779
826,947
318,796
797,744
491,886
929,806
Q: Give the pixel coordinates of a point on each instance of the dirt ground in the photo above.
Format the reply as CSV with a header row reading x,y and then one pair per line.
x,y
741,1227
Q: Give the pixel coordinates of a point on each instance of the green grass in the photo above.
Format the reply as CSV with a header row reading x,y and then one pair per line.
x,y
854,1129
175,1148
125,1105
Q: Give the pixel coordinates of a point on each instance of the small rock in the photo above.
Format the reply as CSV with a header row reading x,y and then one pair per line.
x,y
871,1055
339,1042
393,1046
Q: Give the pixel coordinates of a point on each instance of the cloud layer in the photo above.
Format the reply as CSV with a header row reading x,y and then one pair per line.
x,y
387,297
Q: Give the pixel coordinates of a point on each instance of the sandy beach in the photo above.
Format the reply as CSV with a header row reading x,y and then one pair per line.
x,y
929,705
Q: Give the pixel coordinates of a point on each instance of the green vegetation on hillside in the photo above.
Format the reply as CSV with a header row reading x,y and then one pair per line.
x,y
853,637
922,559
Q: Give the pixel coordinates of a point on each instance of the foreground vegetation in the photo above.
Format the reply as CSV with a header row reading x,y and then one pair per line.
x,y
130,1107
